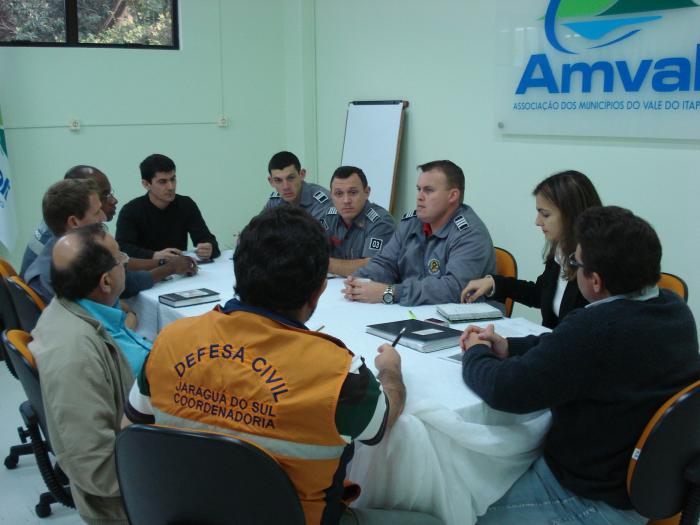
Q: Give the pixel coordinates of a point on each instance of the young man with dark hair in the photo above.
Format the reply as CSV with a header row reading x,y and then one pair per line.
x,y
156,225
299,394
435,251
85,357
357,229
287,177
603,372
63,201
66,205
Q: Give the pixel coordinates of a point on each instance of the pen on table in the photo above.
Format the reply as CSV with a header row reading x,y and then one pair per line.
x,y
411,315
398,337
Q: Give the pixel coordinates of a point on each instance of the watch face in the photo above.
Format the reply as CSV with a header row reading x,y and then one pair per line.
x,y
388,298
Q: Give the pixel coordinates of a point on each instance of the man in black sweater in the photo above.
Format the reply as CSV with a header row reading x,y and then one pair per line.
x,y
603,372
155,226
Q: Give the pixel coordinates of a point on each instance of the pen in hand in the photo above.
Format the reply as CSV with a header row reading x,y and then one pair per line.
x,y
398,337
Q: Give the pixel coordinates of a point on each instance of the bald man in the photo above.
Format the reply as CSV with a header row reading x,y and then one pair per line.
x,y
86,359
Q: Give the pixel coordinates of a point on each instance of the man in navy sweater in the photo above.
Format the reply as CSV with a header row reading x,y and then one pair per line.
x,y
603,372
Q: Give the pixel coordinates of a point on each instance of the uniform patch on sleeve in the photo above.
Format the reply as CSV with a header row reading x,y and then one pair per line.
x,y
375,244
274,195
320,197
461,223
332,211
324,224
372,215
408,215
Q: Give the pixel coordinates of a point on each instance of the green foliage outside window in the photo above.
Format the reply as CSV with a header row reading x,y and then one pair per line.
x,y
108,22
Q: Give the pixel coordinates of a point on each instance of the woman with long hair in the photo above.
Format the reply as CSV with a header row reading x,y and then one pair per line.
x,y
559,200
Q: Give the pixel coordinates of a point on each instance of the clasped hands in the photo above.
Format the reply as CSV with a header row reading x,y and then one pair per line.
x,y
363,290
475,335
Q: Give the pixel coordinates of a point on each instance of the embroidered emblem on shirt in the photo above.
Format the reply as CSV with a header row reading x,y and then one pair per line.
x,y
372,215
324,224
274,195
375,244
408,215
320,197
336,241
461,222
332,211
433,266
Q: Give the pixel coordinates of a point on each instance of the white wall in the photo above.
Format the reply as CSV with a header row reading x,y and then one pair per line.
x,y
439,55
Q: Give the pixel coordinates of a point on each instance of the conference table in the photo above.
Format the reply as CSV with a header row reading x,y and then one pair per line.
x,y
449,454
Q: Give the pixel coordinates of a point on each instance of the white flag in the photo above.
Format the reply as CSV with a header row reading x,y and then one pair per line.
x,y
8,220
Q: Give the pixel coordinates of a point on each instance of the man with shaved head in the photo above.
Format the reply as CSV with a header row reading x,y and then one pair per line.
x,y
86,359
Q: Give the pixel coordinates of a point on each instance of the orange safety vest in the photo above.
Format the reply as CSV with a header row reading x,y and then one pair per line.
x,y
264,381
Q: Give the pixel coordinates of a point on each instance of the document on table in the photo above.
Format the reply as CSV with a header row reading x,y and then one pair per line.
x,y
517,327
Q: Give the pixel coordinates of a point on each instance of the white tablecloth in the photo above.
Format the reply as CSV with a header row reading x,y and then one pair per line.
x,y
449,454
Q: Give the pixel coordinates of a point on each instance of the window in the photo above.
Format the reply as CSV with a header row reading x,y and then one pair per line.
x,y
111,23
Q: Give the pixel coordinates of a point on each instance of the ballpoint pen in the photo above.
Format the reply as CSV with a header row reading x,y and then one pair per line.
x,y
411,315
398,337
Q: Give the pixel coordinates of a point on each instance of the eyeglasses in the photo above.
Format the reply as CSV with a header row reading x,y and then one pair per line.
x,y
123,259
573,262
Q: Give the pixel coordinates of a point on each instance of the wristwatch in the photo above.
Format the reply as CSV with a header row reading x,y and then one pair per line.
x,y
388,297
162,262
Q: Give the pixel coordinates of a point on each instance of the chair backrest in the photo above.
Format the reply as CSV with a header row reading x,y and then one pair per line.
x,y
670,442
28,304
675,284
16,345
169,475
8,320
6,269
507,267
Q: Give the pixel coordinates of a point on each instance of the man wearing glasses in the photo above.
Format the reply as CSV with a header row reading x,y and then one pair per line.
x,y
87,360
603,372
142,274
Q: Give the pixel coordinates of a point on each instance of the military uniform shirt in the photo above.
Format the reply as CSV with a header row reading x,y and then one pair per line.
x,y
315,200
368,233
433,269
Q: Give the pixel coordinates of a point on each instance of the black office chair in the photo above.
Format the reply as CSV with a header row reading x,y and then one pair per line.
x,y
32,412
9,321
663,477
28,304
169,476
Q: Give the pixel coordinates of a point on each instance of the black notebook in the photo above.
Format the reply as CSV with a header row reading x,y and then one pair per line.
x,y
419,335
189,297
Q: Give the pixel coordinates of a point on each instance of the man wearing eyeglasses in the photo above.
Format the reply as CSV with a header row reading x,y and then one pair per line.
x,y
87,359
603,372
142,274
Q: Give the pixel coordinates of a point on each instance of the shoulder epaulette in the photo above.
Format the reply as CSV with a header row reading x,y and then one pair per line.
x,y
324,224
274,195
320,197
461,223
332,211
372,215
408,215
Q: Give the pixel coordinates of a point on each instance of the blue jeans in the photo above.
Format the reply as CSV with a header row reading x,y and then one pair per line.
x,y
537,498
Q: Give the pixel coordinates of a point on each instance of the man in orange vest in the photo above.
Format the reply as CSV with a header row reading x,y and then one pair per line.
x,y
253,370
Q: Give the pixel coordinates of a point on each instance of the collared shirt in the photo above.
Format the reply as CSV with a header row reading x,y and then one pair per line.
x,y
643,295
315,200
134,347
433,269
368,233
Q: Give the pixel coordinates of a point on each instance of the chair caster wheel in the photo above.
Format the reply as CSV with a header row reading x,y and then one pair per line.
x,y
11,462
42,510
